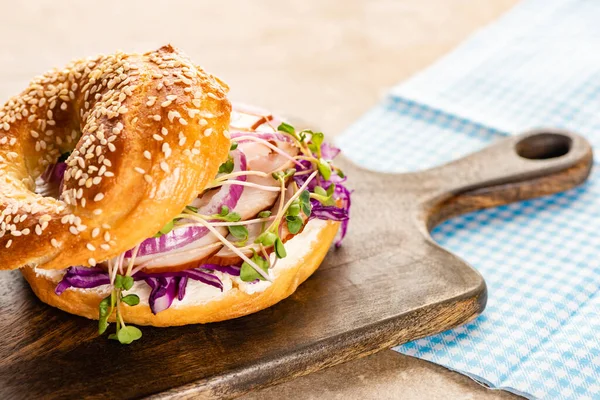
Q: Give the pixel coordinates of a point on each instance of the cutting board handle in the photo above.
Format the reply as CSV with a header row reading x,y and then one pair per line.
x,y
535,163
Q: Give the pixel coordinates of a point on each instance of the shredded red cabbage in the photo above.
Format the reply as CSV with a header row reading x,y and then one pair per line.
x,y
329,151
233,270
165,286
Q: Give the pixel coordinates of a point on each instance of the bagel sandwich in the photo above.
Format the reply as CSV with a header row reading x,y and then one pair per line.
x,y
134,193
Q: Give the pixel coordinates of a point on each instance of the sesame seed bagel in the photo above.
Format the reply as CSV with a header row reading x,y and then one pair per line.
x,y
307,252
146,133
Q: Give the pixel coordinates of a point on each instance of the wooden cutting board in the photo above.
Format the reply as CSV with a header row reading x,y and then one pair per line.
x,y
389,283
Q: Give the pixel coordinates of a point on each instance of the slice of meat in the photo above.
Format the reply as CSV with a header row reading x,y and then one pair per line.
x,y
261,158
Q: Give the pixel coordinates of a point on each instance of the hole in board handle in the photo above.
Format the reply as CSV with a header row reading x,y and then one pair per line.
x,y
543,146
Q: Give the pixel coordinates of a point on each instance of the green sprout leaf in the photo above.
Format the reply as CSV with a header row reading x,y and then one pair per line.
x,y
226,167
234,145
280,249
330,190
119,281
128,334
232,217
104,313
320,191
226,215
315,143
131,300
294,224
323,196
283,175
264,214
324,168
127,282
285,127
304,201
238,231
294,208
249,274
266,238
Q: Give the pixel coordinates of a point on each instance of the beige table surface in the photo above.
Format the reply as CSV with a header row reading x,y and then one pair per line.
x,y
324,61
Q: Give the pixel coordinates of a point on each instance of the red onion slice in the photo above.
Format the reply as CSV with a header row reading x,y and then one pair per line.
x,y
274,137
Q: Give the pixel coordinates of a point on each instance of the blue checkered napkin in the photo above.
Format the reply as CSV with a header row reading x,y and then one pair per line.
x,y
540,333
538,65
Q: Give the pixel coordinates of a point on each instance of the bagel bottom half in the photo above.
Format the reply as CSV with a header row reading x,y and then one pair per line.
x,y
309,249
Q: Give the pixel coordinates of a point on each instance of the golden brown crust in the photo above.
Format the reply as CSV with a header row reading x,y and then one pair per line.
x,y
148,132
233,304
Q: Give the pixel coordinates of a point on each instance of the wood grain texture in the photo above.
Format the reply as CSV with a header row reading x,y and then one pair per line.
x,y
388,284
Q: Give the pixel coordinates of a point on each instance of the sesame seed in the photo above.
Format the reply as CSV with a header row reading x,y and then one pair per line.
x,y
165,103
203,122
34,134
157,137
104,246
171,97
147,154
148,178
164,131
197,103
97,211
212,96
90,247
140,170
106,236
156,117
8,243
182,121
151,101
95,232
164,166
99,197
73,230
92,262
38,230
112,147
208,132
172,115
54,242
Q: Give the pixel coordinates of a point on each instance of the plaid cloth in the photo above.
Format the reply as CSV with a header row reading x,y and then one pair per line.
x,y
539,65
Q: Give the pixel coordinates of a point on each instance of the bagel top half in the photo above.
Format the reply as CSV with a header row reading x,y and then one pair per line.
x,y
146,134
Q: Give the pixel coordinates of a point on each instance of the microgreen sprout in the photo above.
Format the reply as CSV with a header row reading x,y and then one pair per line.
x,y
125,334
325,197
248,273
